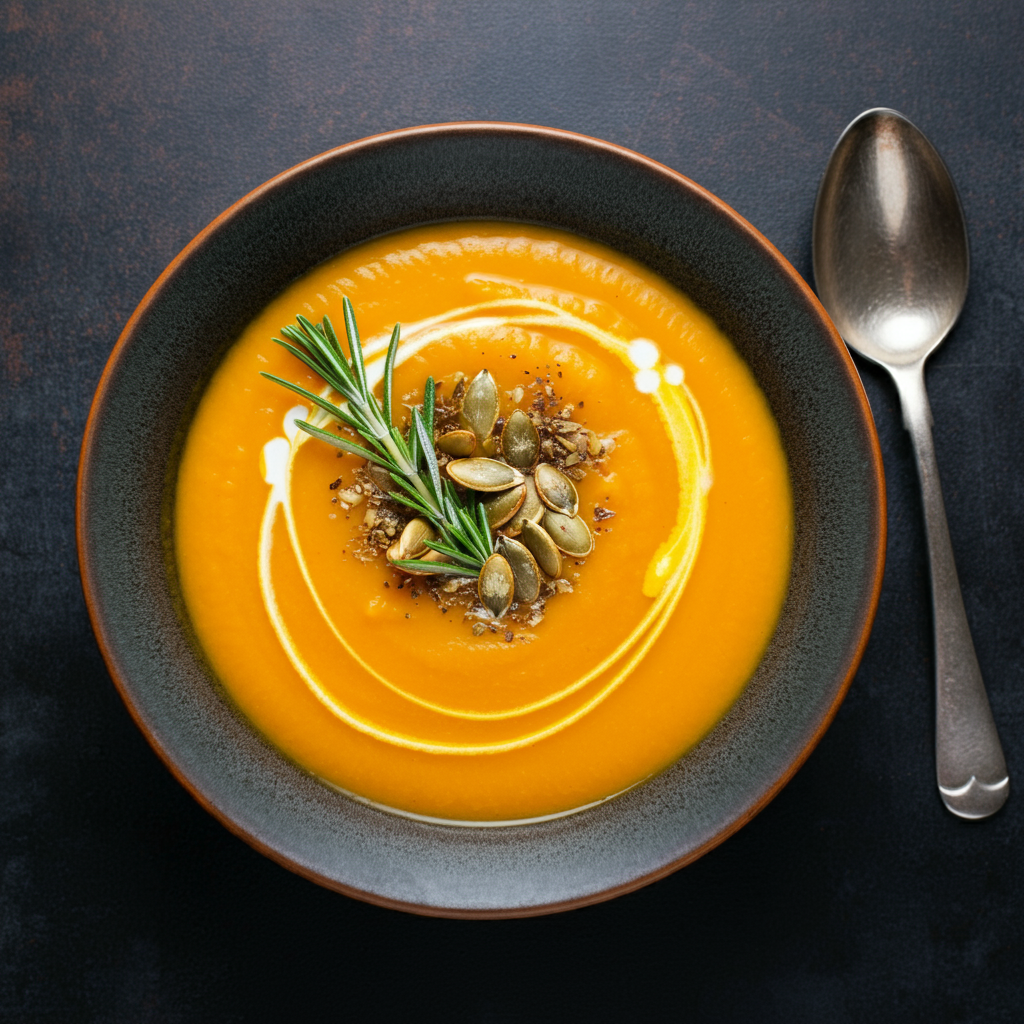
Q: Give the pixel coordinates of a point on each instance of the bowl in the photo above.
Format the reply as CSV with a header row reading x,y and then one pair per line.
x,y
223,278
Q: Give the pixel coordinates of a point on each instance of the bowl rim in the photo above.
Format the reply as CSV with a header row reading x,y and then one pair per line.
x,y
87,568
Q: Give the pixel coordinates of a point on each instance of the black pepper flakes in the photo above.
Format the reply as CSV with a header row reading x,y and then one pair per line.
x,y
380,528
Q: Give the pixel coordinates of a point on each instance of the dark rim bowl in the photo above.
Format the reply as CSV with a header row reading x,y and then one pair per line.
x,y
500,172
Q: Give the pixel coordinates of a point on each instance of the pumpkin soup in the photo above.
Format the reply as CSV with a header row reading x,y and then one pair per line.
x,y
611,404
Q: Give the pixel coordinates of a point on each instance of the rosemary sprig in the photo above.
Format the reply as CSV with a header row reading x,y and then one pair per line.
x,y
411,461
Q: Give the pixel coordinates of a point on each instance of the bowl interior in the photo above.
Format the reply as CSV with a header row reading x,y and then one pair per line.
x,y
479,171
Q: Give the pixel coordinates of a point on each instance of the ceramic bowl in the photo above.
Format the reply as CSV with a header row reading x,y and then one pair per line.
x,y
479,171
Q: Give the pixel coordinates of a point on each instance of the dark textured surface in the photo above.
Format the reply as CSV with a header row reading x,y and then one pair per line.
x,y
854,896
445,173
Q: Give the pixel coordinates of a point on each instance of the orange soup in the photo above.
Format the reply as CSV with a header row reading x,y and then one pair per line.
x,y
406,693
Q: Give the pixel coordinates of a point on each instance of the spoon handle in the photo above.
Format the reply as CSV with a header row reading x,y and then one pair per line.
x,y
969,760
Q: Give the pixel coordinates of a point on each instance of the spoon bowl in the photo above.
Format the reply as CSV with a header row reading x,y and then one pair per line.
x,y
889,228
891,266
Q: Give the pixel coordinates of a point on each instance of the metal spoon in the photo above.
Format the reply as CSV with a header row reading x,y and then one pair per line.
x,y
891,267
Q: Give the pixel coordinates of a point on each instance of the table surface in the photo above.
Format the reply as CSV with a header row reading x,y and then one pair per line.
x,y
124,129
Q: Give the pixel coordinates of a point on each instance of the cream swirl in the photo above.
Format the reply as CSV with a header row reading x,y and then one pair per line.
x,y
537,309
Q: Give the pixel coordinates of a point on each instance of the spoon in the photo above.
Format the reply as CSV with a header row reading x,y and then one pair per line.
x,y
891,267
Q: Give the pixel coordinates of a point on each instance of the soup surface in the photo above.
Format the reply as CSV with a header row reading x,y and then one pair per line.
x,y
408,695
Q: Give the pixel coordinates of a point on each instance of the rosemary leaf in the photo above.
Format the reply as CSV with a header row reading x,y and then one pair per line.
x,y
414,448
427,444
324,364
299,390
470,528
396,436
415,499
485,529
356,350
429,391
332,338
349,420
451,501
389,370
454,553
343,444
435,567
457,533
314,338
316,366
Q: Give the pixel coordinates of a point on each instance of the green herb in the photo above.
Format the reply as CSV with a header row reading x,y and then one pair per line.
x,y
465,536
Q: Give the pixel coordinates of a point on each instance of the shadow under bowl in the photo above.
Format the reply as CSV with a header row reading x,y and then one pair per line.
x,y
520,173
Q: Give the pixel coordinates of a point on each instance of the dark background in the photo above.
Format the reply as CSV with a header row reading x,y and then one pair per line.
x,y
124,129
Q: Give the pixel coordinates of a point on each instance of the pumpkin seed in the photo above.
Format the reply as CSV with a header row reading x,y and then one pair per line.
x,y
479,410
520,441
531,509
496,585
484,474
525,571
381,477
543,548
504,505
570,533
412,543
460,444
556,490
